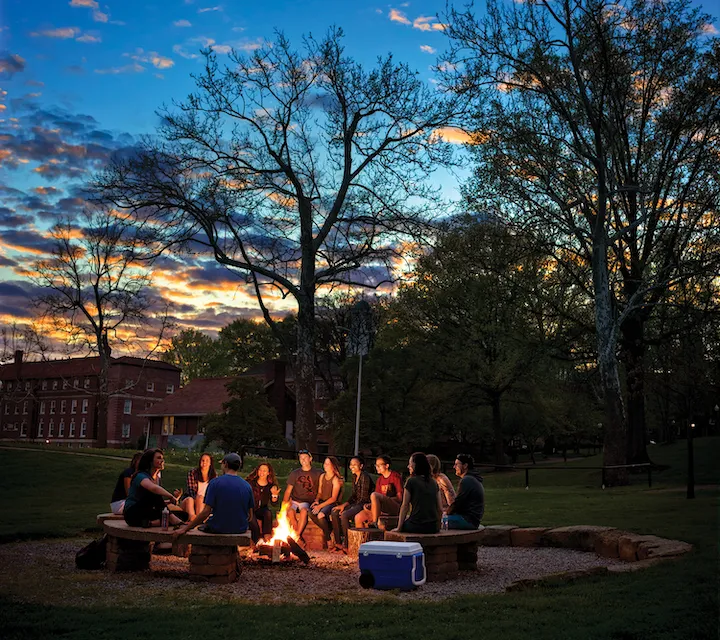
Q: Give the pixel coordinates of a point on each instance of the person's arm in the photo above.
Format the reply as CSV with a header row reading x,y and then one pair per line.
x,y
191,484
439,510
127,481
274,493
447,489
150,486
460,498
397,482
403,510
198,519
288,493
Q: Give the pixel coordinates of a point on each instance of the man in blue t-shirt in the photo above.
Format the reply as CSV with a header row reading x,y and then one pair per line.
x,y
228,498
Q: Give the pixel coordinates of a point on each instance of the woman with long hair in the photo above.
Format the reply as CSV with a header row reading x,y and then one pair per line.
x,y
329,492
421,499
266,492
193,500
122,486
146,498
447,491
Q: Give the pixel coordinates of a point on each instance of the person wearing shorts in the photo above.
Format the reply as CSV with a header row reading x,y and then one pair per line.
x,y
301,491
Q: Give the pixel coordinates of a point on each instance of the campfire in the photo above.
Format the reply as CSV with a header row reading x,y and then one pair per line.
x,y
283,544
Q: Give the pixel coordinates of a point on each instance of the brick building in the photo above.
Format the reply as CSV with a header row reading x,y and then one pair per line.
x,y
56,401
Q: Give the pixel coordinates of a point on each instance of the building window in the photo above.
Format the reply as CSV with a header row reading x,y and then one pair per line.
x,y
52,406
83,428
66,384
40,429
85,405
125,431
25,408
73,406
168,426
23,429
76,383
150,386
55,384
71,432
63,406
9,386
44,385
17,409
127,409
42,407
51,428
87,383
170,388
61,428
27,386
7,409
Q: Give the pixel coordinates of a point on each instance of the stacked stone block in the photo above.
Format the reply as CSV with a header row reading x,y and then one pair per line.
x,y
219,565
127,555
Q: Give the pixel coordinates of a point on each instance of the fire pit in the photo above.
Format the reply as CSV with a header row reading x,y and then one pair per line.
x,y
283,544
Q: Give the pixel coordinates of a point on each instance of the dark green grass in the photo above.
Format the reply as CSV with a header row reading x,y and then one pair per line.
x,y
56,495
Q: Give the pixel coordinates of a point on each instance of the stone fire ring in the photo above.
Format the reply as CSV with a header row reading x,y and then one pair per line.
x,y
638,550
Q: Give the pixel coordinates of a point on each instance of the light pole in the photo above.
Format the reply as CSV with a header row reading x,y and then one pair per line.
x,y
359,339
690,461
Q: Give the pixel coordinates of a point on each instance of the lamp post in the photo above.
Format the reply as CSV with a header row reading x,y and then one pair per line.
x,y
359,339
690,461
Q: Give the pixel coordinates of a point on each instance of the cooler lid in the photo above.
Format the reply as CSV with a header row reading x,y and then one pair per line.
x,y
383,548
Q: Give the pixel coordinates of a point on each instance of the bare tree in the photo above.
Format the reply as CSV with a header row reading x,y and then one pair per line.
x,y
96,292
599,125
295,170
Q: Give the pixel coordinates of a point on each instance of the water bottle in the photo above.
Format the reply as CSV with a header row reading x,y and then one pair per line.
x,y
165,518
445,519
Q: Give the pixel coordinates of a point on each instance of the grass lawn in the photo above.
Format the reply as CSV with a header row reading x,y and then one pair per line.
x,y
47,494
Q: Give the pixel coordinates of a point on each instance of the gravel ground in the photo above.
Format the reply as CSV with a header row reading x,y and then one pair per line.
x,y
44,572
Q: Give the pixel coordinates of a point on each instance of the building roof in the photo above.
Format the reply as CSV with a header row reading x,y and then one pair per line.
x,y
198,398
73,367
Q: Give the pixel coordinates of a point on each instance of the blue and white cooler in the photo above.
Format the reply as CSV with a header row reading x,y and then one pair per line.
x,y
391,565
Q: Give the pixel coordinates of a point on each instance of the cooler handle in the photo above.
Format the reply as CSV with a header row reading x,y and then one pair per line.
x,y
417,583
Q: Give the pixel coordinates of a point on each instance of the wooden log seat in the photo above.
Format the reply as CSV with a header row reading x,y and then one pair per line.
x,y
446,552
357,536
213,556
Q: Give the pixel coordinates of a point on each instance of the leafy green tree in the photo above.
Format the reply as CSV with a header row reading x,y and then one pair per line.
x,y
245,343
597,123
197,354
247,419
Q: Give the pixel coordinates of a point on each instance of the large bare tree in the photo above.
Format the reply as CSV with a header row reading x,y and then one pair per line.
x,y
95,293
598,124
295,170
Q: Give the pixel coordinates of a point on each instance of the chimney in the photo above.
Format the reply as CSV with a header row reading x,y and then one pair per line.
x,y
18,356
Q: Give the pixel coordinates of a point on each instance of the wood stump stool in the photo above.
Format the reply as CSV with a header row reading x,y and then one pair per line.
x,y
357,536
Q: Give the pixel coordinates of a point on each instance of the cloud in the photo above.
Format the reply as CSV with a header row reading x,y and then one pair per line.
x,y
75,69
206,9
427,23
709,29
152,57
183,53
88,38
99,16
10,64
182,23
128,68
88,4
63,33
398,16
427,49
453,135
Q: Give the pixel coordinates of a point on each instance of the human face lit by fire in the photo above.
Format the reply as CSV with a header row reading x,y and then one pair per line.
x,y
263,472
305,460
355,466
460,468
411,466
328,467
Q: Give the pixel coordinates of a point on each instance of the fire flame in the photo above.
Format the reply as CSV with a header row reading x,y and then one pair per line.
x,y
284,529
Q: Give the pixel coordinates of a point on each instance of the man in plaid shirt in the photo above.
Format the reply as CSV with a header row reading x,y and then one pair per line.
x,y
344,513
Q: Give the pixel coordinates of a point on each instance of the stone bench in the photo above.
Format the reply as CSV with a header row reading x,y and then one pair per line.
x,y
446,552
213,556
102,517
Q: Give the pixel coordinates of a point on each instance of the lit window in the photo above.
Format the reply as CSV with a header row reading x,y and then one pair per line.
x,y
126,431
127,409
85,405
73,406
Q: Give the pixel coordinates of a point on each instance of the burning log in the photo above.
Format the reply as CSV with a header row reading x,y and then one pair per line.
x,y
282,549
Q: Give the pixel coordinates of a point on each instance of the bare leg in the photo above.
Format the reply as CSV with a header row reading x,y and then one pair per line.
x,y
188,505
362,518
199,503
375,506
302,520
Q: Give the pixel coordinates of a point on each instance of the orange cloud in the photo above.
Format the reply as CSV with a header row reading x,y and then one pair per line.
x,y
453,135
63,33
398,16
88,4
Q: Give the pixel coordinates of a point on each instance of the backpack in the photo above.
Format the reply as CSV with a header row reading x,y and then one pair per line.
x,y
92,555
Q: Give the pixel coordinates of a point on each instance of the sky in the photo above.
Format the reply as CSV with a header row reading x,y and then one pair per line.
x,y
80,79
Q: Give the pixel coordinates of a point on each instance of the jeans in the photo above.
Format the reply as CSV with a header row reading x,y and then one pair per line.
x,y
323,523
341,522
456,521
261,523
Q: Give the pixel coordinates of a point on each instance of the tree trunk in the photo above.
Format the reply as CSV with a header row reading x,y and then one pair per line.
x,y
615,440
304,366
633,357
498,431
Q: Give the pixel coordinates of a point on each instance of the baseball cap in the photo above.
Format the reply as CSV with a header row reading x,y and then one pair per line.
x,y
231,458
306,451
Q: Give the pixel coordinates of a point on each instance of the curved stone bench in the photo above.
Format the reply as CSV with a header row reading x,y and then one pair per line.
x,y
101,517
446,552
213,556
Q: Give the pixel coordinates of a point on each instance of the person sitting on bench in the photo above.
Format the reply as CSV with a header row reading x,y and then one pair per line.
x,y
146,499
301,491
122,486
421,499
386,499
467,510
229,502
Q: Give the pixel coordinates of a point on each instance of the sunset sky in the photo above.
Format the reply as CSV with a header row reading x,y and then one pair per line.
x,y
81,78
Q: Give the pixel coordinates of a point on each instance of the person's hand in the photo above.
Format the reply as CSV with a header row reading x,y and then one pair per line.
x,y
340,508
275,491
315,508
180,531
367,507
177,493
395,530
